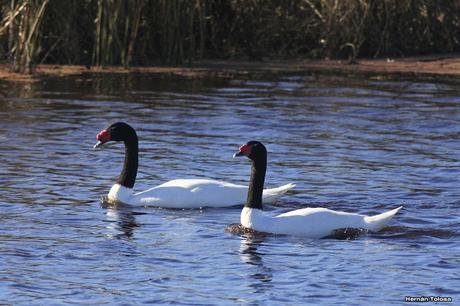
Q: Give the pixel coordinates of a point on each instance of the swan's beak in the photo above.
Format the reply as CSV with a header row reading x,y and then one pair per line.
x,y
102,138
237,154
98,144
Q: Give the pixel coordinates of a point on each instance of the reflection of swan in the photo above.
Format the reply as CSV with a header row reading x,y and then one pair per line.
x,y
248,253
248,249
122,219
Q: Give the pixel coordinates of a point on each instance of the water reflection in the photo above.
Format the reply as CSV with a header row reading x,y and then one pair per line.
x,y
261,275
121,218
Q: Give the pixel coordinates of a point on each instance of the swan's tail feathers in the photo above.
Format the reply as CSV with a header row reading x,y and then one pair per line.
x,y
273,194
377,222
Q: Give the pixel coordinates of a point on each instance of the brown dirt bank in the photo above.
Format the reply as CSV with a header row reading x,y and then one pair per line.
x,y
430,66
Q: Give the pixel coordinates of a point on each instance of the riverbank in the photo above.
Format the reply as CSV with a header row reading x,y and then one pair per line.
x,y
442,66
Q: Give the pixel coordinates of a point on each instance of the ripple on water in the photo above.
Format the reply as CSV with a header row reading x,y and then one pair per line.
x,y
349,144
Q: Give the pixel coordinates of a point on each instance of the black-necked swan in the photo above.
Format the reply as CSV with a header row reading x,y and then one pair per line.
x,y
179,193
307,222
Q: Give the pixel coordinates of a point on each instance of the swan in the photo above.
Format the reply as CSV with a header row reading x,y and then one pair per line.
x,y
306,222
179,193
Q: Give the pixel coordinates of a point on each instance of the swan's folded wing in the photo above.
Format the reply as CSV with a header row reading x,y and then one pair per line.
x,y
193,194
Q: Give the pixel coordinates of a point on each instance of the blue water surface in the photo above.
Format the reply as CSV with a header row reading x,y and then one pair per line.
x,y
357,145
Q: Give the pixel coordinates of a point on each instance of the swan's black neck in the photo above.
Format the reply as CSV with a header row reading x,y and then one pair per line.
x,y
256,185
127,177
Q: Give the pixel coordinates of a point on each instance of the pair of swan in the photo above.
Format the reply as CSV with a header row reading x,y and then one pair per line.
x,y
197,193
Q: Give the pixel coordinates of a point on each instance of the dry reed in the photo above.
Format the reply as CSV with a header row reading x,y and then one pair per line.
x,y
146,32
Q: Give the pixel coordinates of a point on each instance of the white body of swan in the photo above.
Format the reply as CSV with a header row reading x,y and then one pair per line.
x,y
192,193
312,222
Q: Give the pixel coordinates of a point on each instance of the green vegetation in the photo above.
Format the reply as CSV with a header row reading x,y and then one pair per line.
x,y
146,32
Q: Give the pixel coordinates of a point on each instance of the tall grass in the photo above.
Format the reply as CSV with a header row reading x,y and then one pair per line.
x,y
146,32
23,21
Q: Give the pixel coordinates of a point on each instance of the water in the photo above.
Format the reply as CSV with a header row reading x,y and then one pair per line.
x,y
349,144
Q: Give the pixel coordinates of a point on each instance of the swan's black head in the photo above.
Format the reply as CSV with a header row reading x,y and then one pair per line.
x,y
254,150
118,131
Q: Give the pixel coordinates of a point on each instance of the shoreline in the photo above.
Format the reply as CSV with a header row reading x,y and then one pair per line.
x,y
436,66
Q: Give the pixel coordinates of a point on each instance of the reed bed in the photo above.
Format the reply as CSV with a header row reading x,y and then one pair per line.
x,y
146,32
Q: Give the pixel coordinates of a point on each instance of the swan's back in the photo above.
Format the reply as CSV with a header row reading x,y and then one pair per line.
x,y
201,183
317,222
192,193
